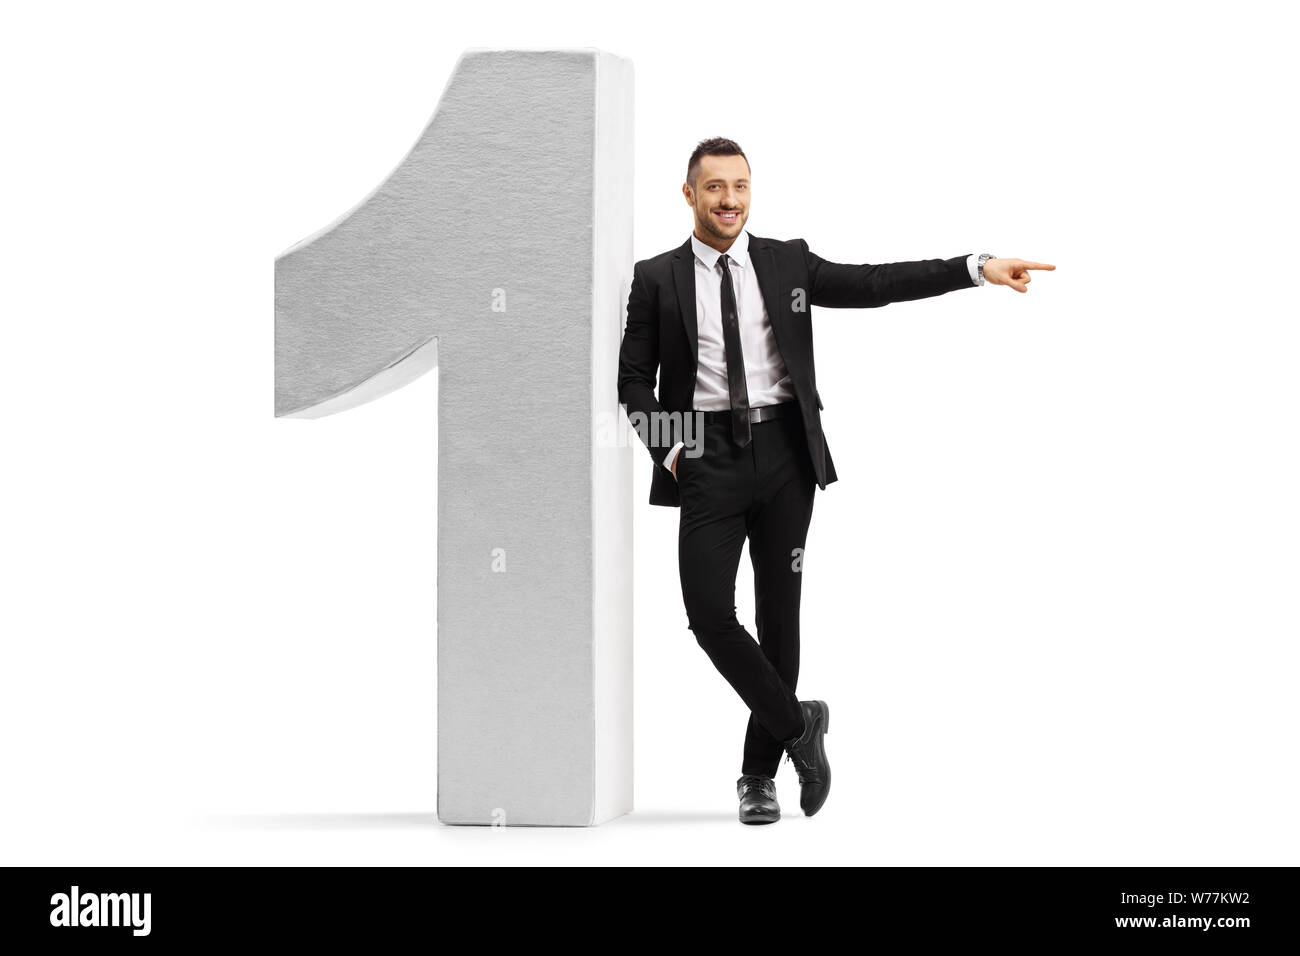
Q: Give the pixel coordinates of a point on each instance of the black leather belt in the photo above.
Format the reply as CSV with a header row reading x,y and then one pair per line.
x,y
762,413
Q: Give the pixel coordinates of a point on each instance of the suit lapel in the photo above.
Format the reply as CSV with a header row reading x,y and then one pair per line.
x,y
684,280
762,259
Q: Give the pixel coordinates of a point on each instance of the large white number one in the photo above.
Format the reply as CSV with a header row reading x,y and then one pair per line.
x,y
500,250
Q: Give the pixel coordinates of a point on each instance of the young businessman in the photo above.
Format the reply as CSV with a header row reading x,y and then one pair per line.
x,y
735,433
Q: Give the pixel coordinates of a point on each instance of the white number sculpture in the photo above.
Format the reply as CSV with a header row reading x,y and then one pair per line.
x,y
500,250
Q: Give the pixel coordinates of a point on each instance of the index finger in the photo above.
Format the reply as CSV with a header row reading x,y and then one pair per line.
x,y
1039,265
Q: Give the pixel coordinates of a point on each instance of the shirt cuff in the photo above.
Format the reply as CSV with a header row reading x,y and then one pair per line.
x,y
668,461
972,266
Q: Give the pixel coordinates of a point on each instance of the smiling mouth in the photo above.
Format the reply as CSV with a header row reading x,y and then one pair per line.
x,y
728,216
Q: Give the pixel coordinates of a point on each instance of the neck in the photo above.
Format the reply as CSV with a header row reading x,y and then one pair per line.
x,y
713,242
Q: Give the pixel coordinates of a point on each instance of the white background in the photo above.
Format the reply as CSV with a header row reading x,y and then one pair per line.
x,y
1052,600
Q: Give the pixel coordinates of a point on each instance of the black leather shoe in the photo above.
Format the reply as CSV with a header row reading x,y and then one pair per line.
x,y
808,754
757,799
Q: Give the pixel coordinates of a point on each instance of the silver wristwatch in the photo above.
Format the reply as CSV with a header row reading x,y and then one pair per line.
x,y
984,257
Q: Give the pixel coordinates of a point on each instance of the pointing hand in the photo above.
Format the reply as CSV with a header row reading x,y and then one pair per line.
x,y
1012,272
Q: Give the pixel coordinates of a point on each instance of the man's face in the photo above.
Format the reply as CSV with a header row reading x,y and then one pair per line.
x,y
720,197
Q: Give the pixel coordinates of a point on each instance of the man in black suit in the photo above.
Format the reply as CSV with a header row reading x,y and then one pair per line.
x,y
735,433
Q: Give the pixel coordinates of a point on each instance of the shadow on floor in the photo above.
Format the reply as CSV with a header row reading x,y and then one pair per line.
x,y
399,821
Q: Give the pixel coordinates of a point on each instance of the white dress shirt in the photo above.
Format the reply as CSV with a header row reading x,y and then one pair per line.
x,y
766,378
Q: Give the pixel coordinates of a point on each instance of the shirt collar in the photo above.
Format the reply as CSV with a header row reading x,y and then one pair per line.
x,y
739,251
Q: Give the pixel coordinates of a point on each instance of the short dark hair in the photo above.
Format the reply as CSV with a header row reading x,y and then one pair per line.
x,y
717,146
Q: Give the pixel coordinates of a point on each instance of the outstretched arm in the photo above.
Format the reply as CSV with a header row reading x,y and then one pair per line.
x,y
835,285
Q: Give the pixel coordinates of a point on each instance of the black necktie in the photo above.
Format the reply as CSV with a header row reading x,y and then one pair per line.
x,y
735,360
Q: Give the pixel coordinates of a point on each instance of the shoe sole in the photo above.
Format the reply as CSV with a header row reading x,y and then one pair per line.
x,y
758,821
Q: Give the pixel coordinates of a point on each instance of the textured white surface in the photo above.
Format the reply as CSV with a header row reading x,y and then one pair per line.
x,y
516,191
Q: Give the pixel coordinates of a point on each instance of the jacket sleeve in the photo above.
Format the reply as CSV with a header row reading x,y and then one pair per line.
x,y
838,286
638,371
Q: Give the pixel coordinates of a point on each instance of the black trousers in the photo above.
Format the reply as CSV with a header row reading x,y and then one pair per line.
x,y
763,491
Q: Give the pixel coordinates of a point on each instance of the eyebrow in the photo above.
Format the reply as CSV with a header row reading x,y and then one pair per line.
x,y
719,179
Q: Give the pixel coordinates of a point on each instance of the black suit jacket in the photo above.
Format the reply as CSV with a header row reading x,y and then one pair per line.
x,y
660,338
